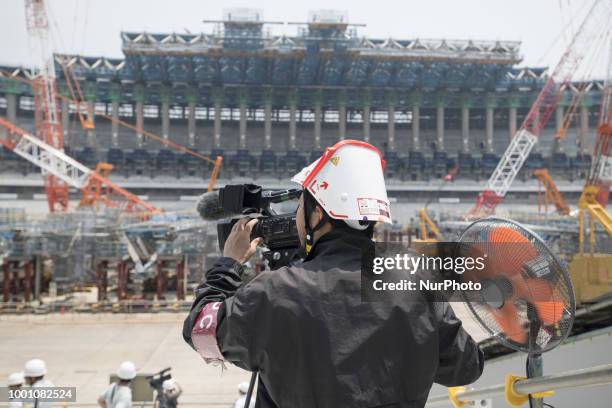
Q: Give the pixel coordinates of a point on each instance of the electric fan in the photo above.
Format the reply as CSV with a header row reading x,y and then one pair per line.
x,y
526,298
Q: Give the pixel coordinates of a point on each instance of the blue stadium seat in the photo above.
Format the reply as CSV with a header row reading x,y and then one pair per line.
x,y
581,166
466,164
439,164
116,157
12,163
139,163
267,163
393,165
191,166
488,163
291,164
415,165
559,165
166,163
242,163
86,156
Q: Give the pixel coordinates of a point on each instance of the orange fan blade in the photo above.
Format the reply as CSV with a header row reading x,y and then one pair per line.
x,y
508,321
510,250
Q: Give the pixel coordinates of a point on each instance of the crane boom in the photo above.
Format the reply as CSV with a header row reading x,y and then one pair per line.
x,y
55,163
48,125
598,16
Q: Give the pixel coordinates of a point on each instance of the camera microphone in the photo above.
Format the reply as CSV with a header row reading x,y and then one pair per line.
x,y
209,207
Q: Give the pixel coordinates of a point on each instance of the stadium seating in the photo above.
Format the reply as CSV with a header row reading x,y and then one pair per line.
x,y
416,164
139,163
466,164
166,163
291,163
267,164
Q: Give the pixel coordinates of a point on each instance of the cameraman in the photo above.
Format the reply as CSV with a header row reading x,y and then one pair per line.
x,y
306,329
169,395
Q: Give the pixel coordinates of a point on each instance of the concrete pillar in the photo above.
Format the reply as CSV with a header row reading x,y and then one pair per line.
x,y
465,129
440,128
292,129
511,122
65,119
317,126
416,127
91,113
366,123
191,124
489,129
11,107
243,126
165,119
584,129
139,122
114,124
217,125
391,128
342,121
558,147
268,125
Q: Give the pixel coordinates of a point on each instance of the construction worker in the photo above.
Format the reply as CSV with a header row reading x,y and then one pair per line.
x,y
34,373
14,383
305,329
243,388
119,394
171,391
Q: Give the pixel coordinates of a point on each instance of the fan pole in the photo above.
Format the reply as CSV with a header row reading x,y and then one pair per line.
x,y
535,369
534,360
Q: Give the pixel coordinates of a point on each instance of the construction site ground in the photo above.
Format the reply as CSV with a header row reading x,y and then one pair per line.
x,y
82,350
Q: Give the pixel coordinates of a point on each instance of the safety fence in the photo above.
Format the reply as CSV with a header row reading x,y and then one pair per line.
x,y
517,389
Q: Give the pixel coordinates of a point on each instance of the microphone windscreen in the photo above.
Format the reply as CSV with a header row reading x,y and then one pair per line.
x,y
209,207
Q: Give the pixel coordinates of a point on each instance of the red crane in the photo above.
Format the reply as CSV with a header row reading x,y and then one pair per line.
x,y
597,20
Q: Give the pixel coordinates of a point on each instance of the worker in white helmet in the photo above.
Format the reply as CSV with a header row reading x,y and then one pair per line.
x,y
119,394
14,383
34,374
243,388
171,391
305,328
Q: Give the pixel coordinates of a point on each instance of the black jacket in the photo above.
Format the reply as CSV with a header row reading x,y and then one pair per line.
x,y
316,344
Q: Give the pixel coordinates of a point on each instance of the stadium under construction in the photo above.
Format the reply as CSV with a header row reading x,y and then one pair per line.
x,y
103,161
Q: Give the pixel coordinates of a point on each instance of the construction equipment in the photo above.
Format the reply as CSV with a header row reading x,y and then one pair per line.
x,y
76,95
55,163
552,194
425,222
48,125
512,161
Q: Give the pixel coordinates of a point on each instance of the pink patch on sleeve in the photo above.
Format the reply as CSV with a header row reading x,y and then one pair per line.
x,y
204,333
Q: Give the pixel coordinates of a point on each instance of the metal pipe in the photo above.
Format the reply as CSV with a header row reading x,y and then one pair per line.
x,y
587,377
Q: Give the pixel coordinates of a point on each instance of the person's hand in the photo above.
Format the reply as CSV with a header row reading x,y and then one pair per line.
x,y
238,245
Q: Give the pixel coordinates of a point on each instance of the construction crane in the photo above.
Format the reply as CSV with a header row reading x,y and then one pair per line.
x,y
596,20
552,193
48,125
595,193
55,163
428,230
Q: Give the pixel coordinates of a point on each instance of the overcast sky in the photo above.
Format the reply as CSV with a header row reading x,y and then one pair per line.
x,y
92,27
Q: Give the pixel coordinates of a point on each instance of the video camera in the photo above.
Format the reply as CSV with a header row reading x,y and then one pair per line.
x,y
157,380
278,230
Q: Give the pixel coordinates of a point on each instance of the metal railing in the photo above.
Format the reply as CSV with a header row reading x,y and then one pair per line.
x,y
588,377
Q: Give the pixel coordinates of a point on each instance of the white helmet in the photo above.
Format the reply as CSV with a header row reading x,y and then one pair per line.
x,y
35,368
169,384
243,387
348,182
15,379
127,371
